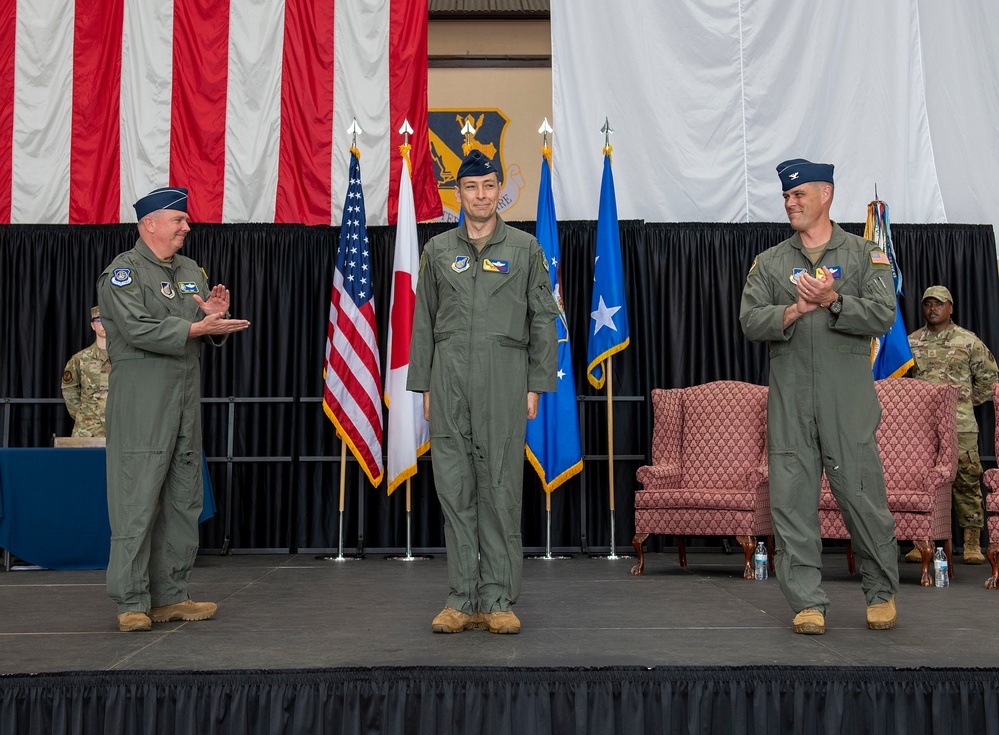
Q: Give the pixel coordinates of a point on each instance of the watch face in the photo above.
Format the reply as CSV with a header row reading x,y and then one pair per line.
x,y
836,306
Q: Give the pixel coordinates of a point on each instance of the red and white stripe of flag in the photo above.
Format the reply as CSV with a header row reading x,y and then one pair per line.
x,y
245,103
408,431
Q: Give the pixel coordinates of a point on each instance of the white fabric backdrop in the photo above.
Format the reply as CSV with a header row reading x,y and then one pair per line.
x,y
706,98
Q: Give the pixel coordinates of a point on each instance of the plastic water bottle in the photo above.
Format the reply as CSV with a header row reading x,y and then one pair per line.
x,y
762,570
942,579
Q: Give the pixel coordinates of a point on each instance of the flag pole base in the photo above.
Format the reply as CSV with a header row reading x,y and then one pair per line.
x,y
548,556
409,557
612,556
338,557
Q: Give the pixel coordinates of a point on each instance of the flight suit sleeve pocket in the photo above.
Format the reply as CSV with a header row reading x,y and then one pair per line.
x,y
543,304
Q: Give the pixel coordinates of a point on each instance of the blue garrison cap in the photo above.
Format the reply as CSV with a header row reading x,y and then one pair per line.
x,y
170,197
798,171
476,163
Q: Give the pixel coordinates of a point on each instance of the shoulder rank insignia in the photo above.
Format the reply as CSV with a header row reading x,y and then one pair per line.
x,y
496,266
796,274
121,277
166,289
880,258
460,264
188,287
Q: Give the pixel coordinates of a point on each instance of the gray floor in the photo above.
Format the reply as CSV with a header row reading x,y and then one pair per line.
x,y
296,611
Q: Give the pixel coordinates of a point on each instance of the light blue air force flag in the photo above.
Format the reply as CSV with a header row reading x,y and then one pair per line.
x,y
609,332
553,445
891,356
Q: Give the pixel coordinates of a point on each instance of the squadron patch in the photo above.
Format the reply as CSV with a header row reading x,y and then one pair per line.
x,y
796,274
188,287
67,377
167,289
460,264
121,277
543,260
835,271
496,266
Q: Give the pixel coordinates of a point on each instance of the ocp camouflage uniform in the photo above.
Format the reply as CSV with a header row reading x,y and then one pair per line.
x,y
483,336
955,356
85,389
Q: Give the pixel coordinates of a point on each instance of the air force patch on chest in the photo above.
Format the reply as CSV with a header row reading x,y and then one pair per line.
x,y
835,271
460,264
496,266
188,287
796,274
167,289
121,277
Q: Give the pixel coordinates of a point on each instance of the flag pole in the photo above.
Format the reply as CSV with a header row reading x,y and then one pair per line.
x,y
406,130
546,150
343,484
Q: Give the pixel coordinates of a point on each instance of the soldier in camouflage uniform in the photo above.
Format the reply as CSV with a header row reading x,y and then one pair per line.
x,y
85,382
949,355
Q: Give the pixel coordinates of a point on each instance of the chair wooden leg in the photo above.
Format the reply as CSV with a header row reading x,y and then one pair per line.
x,y
992,582
925,547
637,541
770,553
851,563
681,548
950,561
748,547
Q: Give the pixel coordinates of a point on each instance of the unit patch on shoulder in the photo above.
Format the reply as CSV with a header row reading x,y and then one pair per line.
x,y
753,268
543,260
121,277
496,266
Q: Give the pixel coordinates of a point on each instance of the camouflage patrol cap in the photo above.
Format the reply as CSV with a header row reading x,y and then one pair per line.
x,y
95,312
940,293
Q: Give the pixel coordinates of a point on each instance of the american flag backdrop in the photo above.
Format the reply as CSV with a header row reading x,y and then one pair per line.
x,y
244,102
352,393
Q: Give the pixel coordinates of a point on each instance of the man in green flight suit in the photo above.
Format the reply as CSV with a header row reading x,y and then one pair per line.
x,y
817,299
946,354
158,310
483,349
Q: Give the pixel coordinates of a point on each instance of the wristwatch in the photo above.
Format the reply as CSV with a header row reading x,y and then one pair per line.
x,y
836,306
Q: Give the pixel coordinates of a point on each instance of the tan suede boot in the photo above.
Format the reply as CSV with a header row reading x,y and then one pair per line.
x,y
972,546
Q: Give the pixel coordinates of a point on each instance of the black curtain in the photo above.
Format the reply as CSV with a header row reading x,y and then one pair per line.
x,y
437,700
281,488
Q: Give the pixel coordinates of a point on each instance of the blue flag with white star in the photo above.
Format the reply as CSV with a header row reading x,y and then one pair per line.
x,y
553,446
609,331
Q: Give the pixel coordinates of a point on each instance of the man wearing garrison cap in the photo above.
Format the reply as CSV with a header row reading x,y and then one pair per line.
x,y
158,310
483,349
817,299
85,382
946,354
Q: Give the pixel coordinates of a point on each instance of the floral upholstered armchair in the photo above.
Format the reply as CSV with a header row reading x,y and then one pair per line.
x,y
917,440
709,470
991,481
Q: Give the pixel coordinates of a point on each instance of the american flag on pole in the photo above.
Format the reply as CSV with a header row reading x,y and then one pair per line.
x,y
104,100
408,431
353,386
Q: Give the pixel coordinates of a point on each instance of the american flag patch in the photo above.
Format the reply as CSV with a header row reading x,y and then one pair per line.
x,y
879,257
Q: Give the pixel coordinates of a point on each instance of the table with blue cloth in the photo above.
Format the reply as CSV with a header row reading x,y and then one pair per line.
x,y
54,506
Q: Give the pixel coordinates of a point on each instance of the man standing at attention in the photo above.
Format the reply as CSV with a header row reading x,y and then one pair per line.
x,y
949,355
817,299
483,349
85,382
157,310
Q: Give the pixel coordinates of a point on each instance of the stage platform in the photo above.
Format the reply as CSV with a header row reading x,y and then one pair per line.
x,y
682,646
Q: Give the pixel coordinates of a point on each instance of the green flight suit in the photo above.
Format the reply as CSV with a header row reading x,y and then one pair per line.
x,y
483,336
153,425
822,412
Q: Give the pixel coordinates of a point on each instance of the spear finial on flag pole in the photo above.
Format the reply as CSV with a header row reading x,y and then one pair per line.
x,y
607,130
354,131
406,131
468,131
545,130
